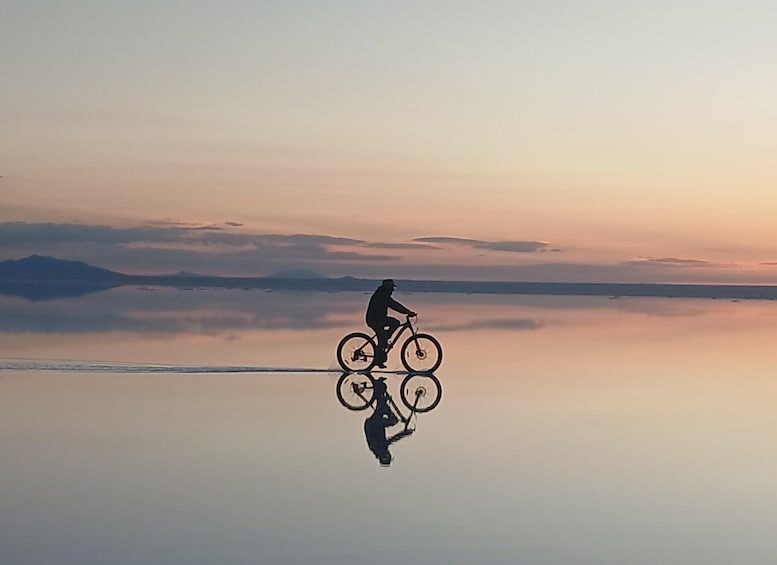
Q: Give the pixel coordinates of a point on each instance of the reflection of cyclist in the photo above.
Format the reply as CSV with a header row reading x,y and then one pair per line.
x,y
375,426
378,319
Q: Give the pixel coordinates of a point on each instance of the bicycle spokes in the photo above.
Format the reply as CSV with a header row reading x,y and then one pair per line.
x,y
421,392
421,353
356,352
355,391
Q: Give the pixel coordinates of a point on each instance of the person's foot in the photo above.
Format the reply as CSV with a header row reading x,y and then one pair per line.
x,y
381,365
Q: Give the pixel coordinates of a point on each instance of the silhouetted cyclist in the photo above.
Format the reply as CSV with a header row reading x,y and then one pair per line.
x,y
375,426
378,319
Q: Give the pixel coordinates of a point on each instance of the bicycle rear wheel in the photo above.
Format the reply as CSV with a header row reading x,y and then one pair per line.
x,y
421,353
421,392
356,352
355,391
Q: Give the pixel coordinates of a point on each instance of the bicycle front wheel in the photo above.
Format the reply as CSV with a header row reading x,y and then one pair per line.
x,y
421,392
356,352
421,353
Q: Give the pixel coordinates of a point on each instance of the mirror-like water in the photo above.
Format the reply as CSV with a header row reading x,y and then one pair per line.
x,y
206,427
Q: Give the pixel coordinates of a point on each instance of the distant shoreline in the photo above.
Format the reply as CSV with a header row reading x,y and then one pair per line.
x,y
742,292
43,278
78,286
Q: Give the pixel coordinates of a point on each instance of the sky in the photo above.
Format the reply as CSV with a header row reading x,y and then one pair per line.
x,y
556,140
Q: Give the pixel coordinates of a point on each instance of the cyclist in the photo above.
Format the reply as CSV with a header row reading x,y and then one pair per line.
x,y
375,426
378,319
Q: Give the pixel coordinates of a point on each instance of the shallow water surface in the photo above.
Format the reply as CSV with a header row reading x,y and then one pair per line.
x,y
204,427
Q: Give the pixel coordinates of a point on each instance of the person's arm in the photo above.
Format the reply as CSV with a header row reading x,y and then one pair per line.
x,y
399,435
394,305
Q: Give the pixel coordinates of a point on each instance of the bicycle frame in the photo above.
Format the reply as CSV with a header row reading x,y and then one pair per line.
x,y
395,337
359,389
420,352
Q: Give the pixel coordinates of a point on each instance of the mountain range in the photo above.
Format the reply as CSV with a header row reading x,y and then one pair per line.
x,y
40,267
39,277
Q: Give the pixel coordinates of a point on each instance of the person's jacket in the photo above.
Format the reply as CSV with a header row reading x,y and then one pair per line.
x,y
380,302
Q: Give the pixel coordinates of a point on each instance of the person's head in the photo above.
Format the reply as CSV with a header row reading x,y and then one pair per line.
x,y
388,285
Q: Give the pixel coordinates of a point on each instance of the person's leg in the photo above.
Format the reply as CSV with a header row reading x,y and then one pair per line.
x,y
392,324
380,354
382,336
387,330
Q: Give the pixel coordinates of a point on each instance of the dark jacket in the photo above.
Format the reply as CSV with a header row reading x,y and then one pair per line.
x,y
380,302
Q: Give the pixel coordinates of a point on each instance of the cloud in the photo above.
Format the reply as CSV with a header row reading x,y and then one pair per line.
x,y
507,246
671,262
310,253
150,249
302,238
224,239
514,246
233,224
182,246
22,233
512,324
400,246
447,239
277,241
182,224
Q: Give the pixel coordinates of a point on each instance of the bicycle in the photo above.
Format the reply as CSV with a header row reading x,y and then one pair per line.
x,y
420,353
359,391
420,392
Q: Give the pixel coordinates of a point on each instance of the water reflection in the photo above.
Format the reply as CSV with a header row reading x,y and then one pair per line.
x,y
52,290
420,393
171,311
219,311
213,328
596,435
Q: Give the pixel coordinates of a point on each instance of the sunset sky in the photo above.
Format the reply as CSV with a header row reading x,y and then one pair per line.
x,y
546,140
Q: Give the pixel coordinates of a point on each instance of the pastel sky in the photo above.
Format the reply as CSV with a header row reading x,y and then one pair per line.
x,y
546,140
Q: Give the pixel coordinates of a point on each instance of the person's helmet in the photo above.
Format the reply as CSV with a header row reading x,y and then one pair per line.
x,y
388,283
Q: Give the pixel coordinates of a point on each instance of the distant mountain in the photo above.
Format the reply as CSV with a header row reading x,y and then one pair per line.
x,y
40,278
45,278
296,274
42,268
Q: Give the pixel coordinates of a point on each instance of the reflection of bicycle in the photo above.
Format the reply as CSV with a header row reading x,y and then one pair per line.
x,y
420,393
419,353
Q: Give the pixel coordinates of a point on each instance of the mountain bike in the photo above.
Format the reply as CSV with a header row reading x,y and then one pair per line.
x,y
360,391
420,352
420,392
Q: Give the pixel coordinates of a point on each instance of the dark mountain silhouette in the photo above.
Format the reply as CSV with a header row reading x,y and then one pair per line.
x,y
39,278
40,267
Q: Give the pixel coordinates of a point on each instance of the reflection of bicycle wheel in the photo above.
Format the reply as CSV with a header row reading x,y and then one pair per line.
x,y
421,353
355,390
421,392
356,352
